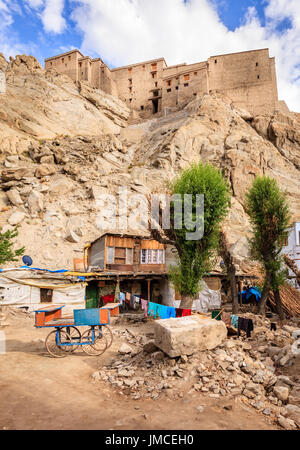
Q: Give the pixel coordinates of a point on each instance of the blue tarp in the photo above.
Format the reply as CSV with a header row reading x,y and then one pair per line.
x,y
249,292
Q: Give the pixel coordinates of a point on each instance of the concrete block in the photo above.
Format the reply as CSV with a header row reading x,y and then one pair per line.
x,y
186,335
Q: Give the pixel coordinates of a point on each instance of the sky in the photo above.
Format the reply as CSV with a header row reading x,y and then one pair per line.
x,y
123,32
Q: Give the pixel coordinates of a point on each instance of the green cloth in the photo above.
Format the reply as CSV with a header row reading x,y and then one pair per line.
x,y
214,313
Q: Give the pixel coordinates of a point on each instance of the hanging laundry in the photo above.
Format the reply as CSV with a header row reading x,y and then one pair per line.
x,y
132,301
122,297
127,296
171,312
181,312
234,320
108,298
245,325
153,310
226,318
145,307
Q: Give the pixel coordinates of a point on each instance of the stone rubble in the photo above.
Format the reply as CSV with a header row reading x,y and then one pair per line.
x,y
235,369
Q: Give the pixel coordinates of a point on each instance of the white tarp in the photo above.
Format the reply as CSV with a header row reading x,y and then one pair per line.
x,y
208,299
14,293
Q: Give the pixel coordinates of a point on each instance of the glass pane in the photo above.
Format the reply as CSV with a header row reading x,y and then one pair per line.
x,y
110,255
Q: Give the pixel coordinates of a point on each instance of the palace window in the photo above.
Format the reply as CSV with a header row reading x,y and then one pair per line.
x,y
186,84
142,108
154,75
216,61
186,77
169,90
195,73
258,77
153,66
256,64
169,82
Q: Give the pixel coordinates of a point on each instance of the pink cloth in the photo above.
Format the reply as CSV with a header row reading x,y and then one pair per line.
x,y
145,307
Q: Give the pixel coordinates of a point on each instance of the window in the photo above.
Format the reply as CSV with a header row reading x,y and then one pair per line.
x,y
144,66
130,89
46,295
169,82
69,58
130,100
130,70
51,64
142,108
258,77
298,238
154,66
130,80
151,256
186,77
154,75
216,61
177,87
186,84
256,64
80,64
63,60
169,90
110,255
155,83
195,73
155,93
129,255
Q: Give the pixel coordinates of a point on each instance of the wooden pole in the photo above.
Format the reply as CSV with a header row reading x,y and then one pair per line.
x,y
149,299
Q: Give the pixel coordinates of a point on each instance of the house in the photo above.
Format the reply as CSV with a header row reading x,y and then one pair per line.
x,y
292,250
126,253
29,288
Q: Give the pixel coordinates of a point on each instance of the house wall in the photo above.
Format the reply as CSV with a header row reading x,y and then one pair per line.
x,y
136,84
292,250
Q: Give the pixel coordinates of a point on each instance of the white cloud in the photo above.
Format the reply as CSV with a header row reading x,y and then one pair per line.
x,y
10,44
127,31
52,18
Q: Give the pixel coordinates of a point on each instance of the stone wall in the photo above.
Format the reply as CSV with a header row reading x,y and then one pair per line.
x,y
2,82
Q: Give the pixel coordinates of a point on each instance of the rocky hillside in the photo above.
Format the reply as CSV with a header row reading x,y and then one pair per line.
x,y
62,144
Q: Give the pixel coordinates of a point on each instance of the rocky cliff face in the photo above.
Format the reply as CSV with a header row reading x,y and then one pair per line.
x,y
61,145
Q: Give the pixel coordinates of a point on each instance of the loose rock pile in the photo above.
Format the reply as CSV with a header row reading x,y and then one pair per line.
x,y
238,368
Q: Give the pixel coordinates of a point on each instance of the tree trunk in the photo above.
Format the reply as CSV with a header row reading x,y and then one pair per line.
x,y
230,267
265,294
278,304
186,301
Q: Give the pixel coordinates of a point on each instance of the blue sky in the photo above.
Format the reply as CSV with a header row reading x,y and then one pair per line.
x,y
126,31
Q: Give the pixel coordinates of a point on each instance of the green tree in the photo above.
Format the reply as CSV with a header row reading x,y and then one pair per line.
x,y
7,253
195,257
270,217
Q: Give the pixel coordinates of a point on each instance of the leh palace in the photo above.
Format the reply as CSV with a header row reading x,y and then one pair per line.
x,y
247,78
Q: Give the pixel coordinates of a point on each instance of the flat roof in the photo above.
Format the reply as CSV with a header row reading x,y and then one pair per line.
x,y
139,64
64,54
236,53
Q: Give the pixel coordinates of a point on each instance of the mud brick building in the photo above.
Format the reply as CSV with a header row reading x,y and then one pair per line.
x,y
248,78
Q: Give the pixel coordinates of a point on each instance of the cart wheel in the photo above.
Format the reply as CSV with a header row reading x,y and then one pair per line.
x,y
98,347
107,332
55,349
75,335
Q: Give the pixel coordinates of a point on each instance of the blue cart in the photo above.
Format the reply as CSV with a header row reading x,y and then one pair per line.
x,y
66,337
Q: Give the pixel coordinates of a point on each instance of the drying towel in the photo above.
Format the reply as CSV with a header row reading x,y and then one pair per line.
x,y
153,310
145,307
127,296
171,312
245,325
234,320
183,312
109,298
122,297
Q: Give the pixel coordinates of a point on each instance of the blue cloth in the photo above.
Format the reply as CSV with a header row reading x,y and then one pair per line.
x,y
234,320
162,311
46,270
122,297
246,295
171,312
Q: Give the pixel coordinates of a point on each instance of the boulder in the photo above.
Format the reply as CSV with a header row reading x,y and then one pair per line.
x,y
14,197
293,412
185,335
281,392
44,170
72,237
125,349
16,218
35,202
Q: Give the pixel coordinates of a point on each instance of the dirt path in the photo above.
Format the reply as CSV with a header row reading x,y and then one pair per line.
x,y
40,392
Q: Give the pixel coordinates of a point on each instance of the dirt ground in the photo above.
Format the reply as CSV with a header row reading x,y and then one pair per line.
x,y
41,392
